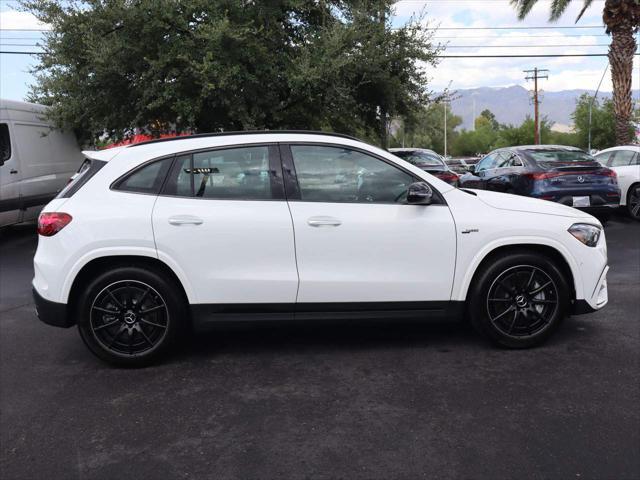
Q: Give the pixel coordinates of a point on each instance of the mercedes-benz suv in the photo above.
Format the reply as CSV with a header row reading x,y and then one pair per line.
x,y
188,232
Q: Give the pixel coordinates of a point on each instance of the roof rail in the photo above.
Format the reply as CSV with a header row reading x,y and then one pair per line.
x,y
243,132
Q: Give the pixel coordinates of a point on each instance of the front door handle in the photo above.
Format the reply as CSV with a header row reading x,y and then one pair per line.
x,y
13,172
185,220
324,222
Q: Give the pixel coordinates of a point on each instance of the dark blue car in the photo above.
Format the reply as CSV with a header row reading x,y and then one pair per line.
x,y
566,175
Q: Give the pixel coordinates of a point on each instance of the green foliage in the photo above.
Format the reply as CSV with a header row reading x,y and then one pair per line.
x,y
112,66
603,123
425,129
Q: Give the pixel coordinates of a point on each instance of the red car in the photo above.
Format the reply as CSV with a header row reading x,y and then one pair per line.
x,y
429,161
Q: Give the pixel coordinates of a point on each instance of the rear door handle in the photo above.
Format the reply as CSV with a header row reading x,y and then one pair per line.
x,y
324,222
185,220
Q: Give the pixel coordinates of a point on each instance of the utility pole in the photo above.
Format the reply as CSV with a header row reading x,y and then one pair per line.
x,y
384,127
535,76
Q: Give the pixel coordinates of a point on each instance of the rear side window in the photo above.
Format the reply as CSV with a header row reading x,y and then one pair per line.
x,y
623,158
233,174
5,143
146,179
87,170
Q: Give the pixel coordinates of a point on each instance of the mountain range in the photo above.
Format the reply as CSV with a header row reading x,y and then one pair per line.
x,y
512,104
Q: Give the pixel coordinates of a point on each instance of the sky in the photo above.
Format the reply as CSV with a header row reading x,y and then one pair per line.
x,y
474,32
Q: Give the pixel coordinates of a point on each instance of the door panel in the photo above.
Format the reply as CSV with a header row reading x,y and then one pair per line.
x,y
231,251
374,253
10,176
223,219
356,238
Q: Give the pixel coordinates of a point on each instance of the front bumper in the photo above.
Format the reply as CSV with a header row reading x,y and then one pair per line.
x,y
52,313
598,299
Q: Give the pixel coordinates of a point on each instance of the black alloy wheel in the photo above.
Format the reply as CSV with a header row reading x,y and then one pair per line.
x,y
517,299
522,301
129,317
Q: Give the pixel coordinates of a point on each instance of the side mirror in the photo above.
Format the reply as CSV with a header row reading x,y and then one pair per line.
x,y
419,193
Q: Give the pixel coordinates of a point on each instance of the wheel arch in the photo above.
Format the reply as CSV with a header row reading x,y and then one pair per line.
x,y
627,194
564,261
103,263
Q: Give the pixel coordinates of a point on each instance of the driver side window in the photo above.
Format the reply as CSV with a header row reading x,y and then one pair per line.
x,y
341,175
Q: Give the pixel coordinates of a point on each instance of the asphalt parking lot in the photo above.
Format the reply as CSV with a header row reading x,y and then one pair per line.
x,y
385,401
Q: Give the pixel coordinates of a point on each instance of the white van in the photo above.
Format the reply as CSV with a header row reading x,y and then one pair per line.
x,y
36,160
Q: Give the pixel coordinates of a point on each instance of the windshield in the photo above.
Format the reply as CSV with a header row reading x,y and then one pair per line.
x,y
563,156
420,158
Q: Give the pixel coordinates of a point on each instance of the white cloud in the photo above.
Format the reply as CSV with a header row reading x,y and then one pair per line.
x,y
14,20
565,72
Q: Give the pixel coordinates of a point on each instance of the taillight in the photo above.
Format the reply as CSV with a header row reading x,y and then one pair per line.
x,y
50,223
448,177
542,175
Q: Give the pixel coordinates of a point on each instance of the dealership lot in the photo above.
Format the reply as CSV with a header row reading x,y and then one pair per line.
x,y
381,401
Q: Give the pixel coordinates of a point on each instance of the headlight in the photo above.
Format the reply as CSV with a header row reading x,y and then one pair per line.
x,y
586,233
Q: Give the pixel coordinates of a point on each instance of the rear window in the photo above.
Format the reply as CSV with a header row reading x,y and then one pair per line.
x,y
420,158
146,179
562,156
5,143
87,170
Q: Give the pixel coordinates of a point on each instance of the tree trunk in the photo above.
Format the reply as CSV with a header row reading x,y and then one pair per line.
x,y
621,25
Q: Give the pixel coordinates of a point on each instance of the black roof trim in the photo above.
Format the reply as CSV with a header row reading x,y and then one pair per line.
x,y
243,132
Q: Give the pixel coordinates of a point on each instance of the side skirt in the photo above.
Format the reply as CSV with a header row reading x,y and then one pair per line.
x,y
206,316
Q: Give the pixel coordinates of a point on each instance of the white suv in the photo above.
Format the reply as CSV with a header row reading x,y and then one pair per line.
x,y
154,237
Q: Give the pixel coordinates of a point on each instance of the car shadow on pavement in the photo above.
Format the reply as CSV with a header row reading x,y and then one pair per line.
x,y
327,337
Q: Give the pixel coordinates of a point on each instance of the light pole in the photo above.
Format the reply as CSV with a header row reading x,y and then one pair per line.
x,y
445,128
591,104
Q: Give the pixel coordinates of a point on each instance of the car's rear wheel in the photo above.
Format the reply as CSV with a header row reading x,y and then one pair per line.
x,y
633,201
519,299
130,316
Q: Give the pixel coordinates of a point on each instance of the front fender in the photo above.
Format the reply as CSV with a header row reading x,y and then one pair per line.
x,y
463,278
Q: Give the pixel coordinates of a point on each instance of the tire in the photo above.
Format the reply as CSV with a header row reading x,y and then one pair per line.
x,y
633,201
518,300
130,315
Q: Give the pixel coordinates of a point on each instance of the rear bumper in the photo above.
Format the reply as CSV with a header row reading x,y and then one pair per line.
x,y
52,313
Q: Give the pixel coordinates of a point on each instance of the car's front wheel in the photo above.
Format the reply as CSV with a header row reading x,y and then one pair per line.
x,y
129,316
518,300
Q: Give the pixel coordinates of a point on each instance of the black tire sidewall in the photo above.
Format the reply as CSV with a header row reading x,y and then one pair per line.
x,y
633,187
175,306
480,289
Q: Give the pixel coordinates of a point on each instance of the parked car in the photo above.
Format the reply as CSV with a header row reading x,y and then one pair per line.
x,y
625,161
36,161
199,230
429,161
565,175
462,165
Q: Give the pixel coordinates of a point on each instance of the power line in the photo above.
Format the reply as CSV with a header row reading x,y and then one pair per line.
x,y
520,46
559,36
448,46
539,27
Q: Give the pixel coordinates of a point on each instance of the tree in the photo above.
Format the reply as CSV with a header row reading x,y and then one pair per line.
x,y
424,128
622,20
603,123
490,117
116,66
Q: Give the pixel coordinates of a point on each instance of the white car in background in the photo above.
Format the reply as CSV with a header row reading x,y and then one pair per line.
x,y
625,161
36,160
301,226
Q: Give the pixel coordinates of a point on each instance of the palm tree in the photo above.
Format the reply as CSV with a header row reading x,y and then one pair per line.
x,y
622,20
